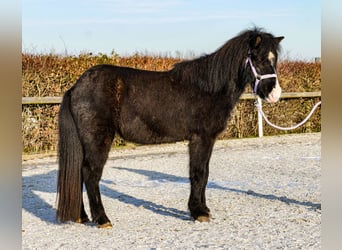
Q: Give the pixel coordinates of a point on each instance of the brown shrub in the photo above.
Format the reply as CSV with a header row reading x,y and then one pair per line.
x,y
52,75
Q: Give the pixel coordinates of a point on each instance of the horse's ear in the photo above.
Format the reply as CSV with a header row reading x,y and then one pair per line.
x,y
255,41
279,39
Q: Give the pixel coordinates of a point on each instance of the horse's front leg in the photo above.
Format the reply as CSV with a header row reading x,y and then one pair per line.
x,y
200,148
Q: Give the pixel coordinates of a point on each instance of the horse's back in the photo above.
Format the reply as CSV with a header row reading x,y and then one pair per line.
x,y
143,106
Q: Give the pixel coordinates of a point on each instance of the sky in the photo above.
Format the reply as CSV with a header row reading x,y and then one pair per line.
x,y
169,27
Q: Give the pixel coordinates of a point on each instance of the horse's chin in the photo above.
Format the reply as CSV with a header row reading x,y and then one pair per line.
x,y
271,100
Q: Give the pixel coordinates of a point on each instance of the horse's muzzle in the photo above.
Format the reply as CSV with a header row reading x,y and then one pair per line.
x,y
275,94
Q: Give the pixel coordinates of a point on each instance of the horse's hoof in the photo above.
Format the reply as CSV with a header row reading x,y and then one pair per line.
x,y
105,225
82,220
203,218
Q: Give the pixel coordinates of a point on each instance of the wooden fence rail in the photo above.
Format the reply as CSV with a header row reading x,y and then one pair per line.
x,y
58,100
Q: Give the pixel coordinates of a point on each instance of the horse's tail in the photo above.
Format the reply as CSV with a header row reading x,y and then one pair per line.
x,y
70,160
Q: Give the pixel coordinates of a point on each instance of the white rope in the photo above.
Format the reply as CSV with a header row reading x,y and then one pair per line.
x,y
287,128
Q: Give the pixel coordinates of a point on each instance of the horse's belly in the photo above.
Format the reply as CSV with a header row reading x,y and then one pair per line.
x,y
149,131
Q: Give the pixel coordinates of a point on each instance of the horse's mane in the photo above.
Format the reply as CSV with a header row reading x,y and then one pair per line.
x,y
217,71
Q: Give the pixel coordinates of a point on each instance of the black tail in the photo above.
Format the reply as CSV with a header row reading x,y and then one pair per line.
x,y
70,154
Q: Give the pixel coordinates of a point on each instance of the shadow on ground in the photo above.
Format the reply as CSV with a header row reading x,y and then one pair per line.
x,y
34,204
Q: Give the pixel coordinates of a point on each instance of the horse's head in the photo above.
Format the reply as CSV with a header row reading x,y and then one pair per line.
x,y
262,62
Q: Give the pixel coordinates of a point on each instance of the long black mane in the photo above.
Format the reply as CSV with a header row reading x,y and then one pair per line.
x,y
223,68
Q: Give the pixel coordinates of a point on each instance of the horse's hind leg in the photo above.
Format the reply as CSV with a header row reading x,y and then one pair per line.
x,y
96,153
200,149
84,217
96,133
203,200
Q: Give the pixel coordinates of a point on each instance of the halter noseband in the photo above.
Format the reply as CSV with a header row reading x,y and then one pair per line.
x,y
258,77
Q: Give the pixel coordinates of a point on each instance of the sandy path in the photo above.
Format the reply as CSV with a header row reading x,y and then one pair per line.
x,y
263,194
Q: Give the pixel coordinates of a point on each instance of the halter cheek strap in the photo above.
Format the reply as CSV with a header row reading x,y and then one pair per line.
x,y
258,77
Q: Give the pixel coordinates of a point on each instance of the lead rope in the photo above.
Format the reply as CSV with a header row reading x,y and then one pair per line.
x,y
258,78
286,128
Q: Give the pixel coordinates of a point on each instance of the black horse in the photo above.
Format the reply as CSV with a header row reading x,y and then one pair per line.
x,y
190,102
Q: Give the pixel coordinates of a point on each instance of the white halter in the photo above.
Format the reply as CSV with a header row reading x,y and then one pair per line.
x,y
258,77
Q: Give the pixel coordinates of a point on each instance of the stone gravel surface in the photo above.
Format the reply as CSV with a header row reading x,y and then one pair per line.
x,y
264,193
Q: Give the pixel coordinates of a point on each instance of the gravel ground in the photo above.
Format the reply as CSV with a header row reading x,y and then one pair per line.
x,y
264,193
